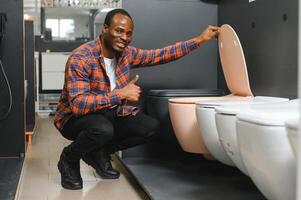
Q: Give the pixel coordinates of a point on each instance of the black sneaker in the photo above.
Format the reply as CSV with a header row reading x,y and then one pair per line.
x,y
70,173
102,164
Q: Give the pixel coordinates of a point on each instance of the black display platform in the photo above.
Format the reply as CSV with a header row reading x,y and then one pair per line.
x,y
191,179
10,171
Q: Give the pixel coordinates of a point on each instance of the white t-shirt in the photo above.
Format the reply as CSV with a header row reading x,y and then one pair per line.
x,y
110,69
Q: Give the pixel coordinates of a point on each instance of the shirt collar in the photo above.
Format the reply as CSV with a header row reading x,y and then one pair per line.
x,y
98,48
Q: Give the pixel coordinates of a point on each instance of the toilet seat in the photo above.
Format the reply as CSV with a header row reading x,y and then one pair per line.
x,y
236,76
271,115
190,100
265,148
182,111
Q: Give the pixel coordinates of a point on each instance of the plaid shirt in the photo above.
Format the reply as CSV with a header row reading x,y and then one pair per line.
x,y
87,86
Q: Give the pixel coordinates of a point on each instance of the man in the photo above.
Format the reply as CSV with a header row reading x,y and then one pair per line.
x,y
92,110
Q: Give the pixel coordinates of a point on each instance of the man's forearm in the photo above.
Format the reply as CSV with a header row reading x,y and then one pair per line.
x,y
86,103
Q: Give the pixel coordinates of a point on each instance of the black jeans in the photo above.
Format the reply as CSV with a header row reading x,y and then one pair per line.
x,y
106,131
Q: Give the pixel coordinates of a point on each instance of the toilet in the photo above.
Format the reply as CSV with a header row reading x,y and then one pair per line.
x,y
292,128
225,119
265,148
182,110
195,124
205,114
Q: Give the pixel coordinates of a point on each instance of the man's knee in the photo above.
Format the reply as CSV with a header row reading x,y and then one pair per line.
x,y
101,133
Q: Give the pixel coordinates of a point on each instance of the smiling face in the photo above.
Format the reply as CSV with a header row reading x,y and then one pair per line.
x,y
118,34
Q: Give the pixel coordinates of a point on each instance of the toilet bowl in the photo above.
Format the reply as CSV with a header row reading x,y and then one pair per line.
x,y
292,128
225,119
265,148
182,110
157,107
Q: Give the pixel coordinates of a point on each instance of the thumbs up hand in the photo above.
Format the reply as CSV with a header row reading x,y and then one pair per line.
x,y
134,80
131,91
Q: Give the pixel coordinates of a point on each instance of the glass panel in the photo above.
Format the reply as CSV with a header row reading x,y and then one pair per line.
x,y
53,24
67,29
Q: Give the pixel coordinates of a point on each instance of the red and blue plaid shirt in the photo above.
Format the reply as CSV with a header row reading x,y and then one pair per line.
x,y
87,86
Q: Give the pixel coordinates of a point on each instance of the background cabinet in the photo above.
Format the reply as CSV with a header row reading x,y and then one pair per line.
x,y
52,70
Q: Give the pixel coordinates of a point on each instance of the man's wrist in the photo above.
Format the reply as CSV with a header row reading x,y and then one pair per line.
x,y
119,94
199,40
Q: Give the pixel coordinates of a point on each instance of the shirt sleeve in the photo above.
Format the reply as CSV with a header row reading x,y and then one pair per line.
x,y
167,54
80,97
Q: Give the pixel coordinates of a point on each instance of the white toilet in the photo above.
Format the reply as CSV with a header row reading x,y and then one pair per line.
x,y
182,110
292,128
225,119
225,150
265,148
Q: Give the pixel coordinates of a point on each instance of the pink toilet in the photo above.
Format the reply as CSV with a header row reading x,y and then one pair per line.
x,y
182,110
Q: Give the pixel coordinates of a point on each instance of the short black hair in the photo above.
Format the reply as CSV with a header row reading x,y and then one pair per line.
x,y
112,13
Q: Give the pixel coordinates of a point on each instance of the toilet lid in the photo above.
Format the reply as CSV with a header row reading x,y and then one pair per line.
x,y
293,123
194,100
234,107
233,62
223,101
272,114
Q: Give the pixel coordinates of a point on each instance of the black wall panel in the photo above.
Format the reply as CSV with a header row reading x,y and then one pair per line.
x,y
12,129
30,75
268,31
55,46
163,22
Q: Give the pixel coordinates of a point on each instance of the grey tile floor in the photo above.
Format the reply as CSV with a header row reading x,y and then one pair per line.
x,y
40,178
